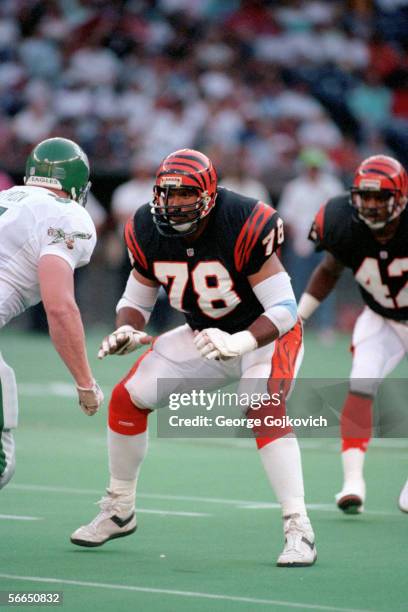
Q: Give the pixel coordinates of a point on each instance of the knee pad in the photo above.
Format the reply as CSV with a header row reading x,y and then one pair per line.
x,y
124,416
7,457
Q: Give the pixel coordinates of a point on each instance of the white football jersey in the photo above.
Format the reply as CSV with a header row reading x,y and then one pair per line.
x,y
34,222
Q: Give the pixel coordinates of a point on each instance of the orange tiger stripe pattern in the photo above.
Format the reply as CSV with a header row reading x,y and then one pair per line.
x,y
194,166
250,233
319,222
133,245
283,368
387,169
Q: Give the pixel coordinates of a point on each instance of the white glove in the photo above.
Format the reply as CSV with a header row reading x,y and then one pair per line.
x,y
123,340
90,398
213,343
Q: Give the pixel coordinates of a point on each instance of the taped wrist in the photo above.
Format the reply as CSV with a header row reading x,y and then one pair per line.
x,y
307,305
278,300
92,388
243,342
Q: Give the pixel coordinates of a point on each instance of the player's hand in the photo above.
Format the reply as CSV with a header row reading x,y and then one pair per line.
x,y
90,399
212,343
123,340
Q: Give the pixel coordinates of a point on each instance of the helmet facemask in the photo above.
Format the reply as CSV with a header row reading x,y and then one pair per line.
x,y
386,210
184,193
182,218
82,195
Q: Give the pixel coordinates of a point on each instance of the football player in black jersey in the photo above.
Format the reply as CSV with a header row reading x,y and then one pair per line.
x,y
366,231
213,251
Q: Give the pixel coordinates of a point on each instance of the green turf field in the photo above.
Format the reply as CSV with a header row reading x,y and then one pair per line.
x,y
209,528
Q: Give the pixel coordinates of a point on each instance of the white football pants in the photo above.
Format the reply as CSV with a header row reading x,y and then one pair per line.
x,y
174,361
379,345
8,421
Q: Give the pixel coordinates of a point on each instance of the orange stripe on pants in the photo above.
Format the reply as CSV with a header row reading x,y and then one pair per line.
x,y
280,381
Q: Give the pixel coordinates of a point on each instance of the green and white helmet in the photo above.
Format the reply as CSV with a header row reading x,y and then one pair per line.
x,y
59,163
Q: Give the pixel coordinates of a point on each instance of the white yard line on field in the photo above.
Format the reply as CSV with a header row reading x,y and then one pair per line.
x,y
172,512
58,388
176,593
16,517
241,504
48,489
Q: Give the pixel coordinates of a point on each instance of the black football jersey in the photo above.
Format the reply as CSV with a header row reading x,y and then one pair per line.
x,y
381,270
206,279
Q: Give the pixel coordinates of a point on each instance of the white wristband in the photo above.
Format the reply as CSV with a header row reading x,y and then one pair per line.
x,y
307,305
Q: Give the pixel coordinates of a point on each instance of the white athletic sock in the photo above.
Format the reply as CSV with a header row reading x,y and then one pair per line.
x,y
353,464
126,454
122,487
283,466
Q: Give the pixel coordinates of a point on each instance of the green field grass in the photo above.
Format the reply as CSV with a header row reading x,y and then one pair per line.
x,y
209,527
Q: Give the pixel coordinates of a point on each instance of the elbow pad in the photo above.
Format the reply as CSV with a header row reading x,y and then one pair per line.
x,y
139,296
276,296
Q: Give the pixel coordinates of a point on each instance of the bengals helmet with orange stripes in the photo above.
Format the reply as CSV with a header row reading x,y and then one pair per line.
x,y
380,190
185,171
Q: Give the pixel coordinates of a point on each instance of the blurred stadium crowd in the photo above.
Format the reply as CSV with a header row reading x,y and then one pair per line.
x,y
253,83
253,78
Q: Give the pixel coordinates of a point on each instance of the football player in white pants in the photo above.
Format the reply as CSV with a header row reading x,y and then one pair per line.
x,y
242,288
8,421
45,233
366,232
403,498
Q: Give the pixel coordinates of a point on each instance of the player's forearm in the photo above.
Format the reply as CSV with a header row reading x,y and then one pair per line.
x,y
67,335
263,330
130,316
322,282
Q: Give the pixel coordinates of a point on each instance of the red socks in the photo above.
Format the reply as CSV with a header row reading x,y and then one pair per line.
x,y
356,422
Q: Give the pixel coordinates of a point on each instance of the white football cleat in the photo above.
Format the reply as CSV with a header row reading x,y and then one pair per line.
x,y
299,549
114,521
403,498
352,496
